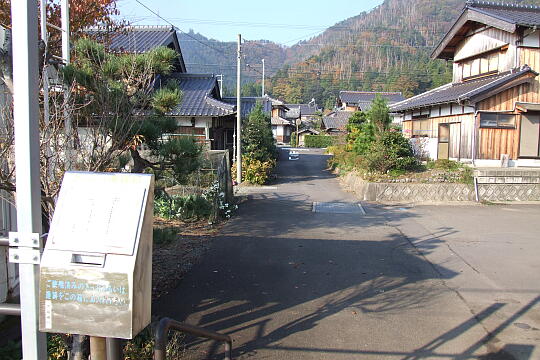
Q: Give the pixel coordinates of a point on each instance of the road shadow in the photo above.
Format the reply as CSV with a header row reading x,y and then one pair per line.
x,y
279,270
256,271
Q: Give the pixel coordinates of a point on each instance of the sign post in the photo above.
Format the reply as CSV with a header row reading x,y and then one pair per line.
x,y
26,119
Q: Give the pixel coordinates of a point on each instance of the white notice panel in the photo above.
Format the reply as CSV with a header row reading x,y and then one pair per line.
x,y
99,212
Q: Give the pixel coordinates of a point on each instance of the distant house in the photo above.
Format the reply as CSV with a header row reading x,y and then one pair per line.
x,y
282,127
335,123
302,135
491,109
248,103
306,113
202,113
361,100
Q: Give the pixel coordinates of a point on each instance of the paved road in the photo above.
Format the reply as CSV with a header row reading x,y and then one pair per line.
x,y
290,283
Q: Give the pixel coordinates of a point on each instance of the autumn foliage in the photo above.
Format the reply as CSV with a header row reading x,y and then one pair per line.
x,y
83,13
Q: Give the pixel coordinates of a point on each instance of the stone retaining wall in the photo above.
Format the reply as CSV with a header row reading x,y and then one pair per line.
x,y
411,192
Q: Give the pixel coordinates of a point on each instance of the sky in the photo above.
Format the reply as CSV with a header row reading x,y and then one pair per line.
x,y
282,21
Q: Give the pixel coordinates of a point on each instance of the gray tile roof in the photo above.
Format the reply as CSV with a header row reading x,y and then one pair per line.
x,y
302,109
337,119
460,92
280,121
524,15
366,97
309,130
139,39
248,104
293,113
200,96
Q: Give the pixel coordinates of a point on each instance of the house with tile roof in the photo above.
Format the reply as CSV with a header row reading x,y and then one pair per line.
x,y
282,125
139,40
361,100
491,109
335,123
304,112
202,113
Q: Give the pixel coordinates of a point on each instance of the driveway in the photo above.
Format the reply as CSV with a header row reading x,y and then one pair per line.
x,y
304,272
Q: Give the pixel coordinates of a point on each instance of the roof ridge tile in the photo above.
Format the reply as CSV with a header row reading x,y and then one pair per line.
x,y
499,5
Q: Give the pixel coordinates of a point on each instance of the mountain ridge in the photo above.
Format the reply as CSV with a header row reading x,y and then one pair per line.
x,y
385,49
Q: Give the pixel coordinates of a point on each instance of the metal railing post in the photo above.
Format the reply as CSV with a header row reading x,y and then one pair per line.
x,y
114,349
166,324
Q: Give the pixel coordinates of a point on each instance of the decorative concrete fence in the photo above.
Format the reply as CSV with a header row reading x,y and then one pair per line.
x,y
490,188
508,184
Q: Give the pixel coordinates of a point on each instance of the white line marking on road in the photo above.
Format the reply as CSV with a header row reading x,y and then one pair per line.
x,y
314,208
362,209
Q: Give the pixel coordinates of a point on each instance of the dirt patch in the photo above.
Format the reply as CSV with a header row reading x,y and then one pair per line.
x,y
174,255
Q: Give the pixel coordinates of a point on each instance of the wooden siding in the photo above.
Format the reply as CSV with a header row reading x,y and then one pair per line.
x,y
481,43
464,131
531,57
505,101
455,141
406,127
494,142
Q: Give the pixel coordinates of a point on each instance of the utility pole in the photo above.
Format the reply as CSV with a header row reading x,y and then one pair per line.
x,y
220,81
64,7
263,79
26,119
238,113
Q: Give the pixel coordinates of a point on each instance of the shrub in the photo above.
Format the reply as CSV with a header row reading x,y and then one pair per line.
x,y
293,139
391,152
361,138
165,235
257,172
182,207
318,141
343,159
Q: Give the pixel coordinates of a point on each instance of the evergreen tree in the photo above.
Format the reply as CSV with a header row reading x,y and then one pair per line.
x,y
378,114
257,139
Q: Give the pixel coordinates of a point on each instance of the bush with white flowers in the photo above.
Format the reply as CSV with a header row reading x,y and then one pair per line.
x,y
217,197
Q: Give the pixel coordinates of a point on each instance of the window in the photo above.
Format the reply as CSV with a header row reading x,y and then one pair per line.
x,y
483,64
496,120
444,133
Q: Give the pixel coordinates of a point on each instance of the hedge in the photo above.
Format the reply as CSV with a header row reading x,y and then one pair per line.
x,y
318,141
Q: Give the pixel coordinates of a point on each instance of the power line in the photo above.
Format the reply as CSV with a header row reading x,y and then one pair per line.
x,y
177,28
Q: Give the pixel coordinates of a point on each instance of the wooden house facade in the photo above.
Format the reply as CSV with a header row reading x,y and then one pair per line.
x,y
491,110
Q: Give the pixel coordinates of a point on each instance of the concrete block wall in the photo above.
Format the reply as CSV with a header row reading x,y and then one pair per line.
x,y
436,192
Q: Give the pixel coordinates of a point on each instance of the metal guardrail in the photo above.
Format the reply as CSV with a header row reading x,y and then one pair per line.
x,y
10,309
166,324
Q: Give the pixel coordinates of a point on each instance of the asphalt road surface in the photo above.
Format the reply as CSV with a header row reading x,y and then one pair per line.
x,y
304,271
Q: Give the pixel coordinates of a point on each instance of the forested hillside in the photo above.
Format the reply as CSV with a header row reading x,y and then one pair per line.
x,y
386,49
203,55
